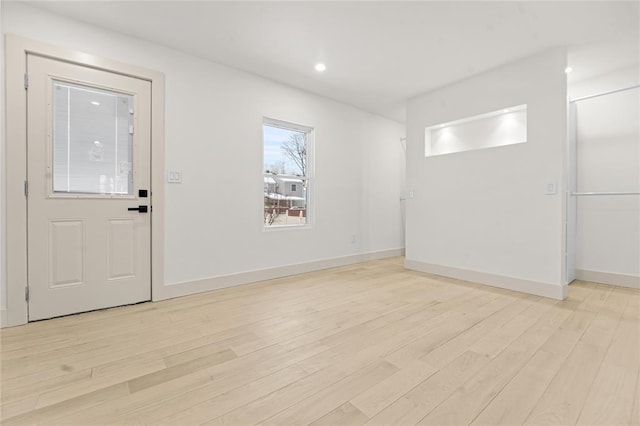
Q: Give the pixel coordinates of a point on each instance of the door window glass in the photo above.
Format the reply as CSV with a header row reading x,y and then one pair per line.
x,y
92,140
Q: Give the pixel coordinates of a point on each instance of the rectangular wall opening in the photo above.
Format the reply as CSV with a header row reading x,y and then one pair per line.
x,y
506,126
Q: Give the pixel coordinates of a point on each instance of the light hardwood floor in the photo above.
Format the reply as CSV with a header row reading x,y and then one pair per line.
x,y
370,343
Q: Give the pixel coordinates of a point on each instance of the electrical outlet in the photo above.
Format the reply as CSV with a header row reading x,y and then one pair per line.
x,y
353,238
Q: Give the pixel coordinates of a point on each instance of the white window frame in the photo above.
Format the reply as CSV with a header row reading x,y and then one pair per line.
x,y
310,206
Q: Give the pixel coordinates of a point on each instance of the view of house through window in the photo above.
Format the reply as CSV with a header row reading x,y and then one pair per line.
x,y
286,173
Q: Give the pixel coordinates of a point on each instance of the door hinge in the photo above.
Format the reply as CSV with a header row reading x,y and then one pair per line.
x,y
131,129
26,80
26,188
26,294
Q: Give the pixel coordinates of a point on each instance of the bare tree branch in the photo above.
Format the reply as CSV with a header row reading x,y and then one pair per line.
x,y
296,150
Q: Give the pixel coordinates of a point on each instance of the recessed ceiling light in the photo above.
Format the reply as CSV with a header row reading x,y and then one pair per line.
x,y
568,70
505,110
95,103
320,67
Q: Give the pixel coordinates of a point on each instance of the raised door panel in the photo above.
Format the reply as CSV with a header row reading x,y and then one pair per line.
x,y
66,253
121,254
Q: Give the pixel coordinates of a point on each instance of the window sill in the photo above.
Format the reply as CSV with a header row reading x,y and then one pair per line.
x,y
285,227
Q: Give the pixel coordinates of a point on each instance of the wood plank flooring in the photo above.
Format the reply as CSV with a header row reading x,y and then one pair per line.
x,y
370,343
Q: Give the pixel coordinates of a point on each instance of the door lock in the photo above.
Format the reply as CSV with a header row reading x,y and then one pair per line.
x,y
140,209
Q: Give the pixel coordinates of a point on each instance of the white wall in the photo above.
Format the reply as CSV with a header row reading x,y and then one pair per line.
x,y
214,134
618,79
608,160
483,215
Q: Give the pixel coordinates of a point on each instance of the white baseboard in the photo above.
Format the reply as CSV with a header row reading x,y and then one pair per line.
x,y
621,280
224,281
4,320
554,291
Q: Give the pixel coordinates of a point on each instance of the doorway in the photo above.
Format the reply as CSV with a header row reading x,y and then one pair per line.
x,y
18,189
603,233
88,199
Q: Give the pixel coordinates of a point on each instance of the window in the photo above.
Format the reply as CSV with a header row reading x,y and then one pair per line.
x,y
92,140
286,173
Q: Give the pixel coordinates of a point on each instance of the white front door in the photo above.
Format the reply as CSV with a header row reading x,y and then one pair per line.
x,y
88,143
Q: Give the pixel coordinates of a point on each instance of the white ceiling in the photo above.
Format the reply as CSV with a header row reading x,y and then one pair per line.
x,y
378,54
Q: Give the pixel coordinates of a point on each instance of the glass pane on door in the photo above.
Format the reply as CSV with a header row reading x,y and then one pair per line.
x,y
92,140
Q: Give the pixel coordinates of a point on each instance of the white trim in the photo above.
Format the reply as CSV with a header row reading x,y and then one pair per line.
x,y
224,281
622,280
291,227
16,204
16,50
286,125
554,291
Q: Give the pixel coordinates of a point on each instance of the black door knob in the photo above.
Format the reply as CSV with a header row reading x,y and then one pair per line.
x,y
140,209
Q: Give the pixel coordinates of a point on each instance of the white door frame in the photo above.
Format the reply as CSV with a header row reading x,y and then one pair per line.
x,y
16,50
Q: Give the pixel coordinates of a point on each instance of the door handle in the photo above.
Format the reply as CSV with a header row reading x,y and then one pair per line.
x,y
141,209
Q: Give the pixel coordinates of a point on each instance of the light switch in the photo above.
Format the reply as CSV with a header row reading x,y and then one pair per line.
x,y
174,176
552,188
